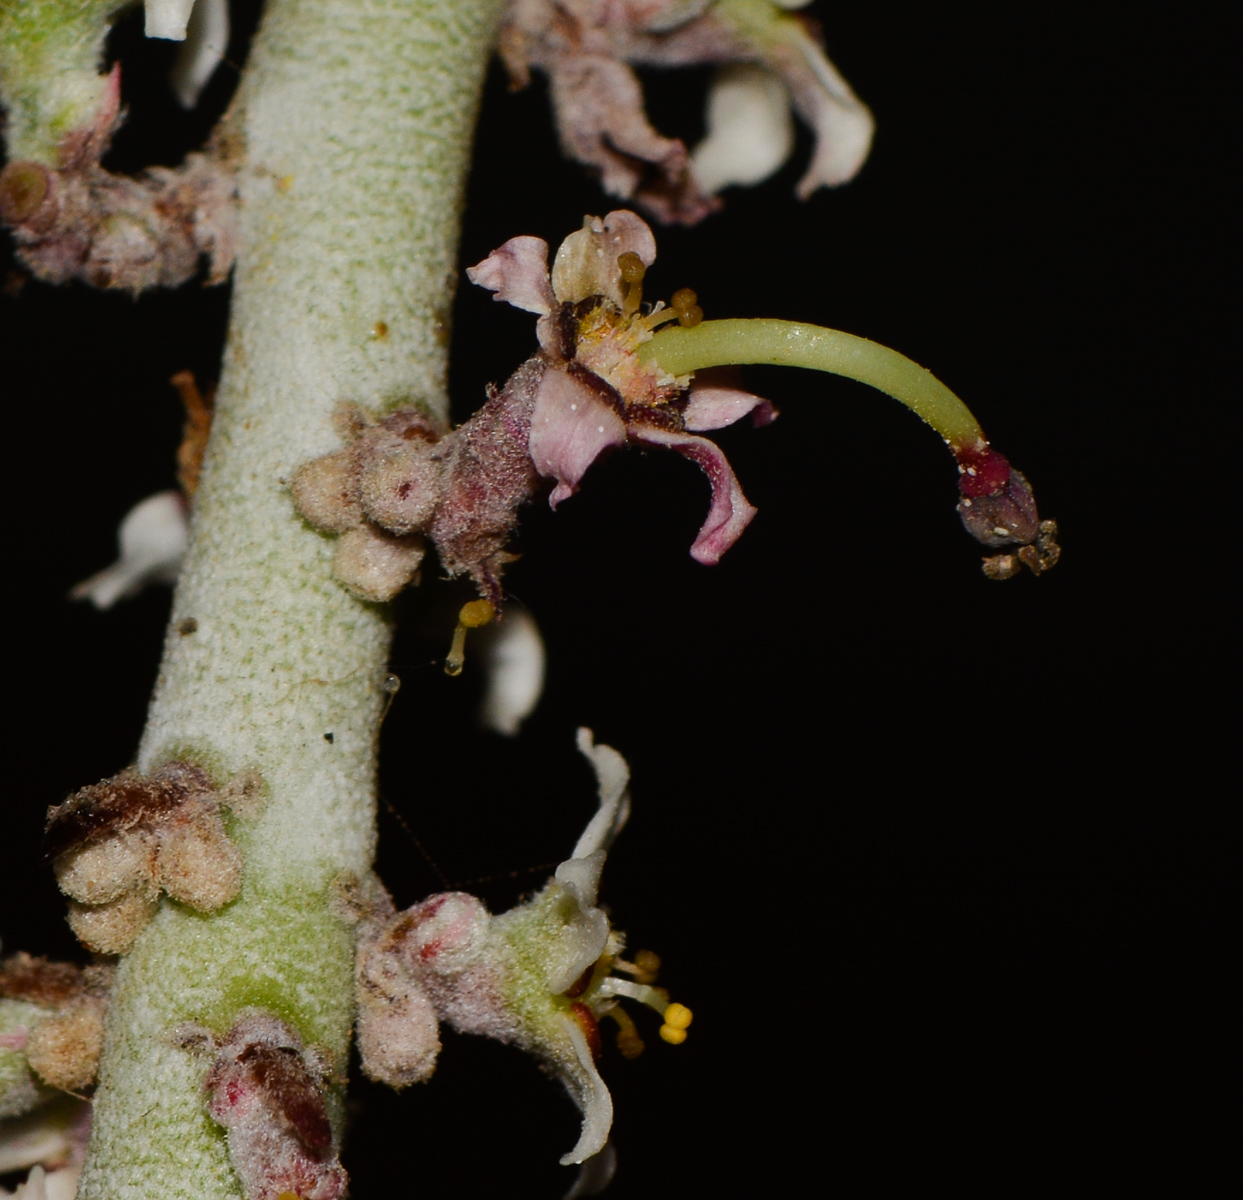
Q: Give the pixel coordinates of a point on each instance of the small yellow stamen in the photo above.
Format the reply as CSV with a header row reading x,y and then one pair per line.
x,y
632,272
644,969
628,1040
470,616
289,1196
677,1018
686,304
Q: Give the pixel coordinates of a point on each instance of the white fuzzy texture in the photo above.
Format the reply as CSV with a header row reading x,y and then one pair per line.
x,y
750,129
356,119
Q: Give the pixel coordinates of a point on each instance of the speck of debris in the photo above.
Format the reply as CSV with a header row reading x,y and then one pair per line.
x,y
329,738
187,627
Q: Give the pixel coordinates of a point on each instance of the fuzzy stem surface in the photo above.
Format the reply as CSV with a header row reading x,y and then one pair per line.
x,y
356,118
680,350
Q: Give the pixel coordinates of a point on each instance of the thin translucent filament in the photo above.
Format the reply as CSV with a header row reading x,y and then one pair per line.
x,y
680,350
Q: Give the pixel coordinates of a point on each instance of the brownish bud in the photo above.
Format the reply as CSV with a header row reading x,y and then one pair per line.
x,y
102,870
325,493
375,565
198,865
117,843
400,485
114,927
28,196
64,1050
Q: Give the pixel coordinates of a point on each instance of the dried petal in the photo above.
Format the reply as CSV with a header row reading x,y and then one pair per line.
x,y
730,512
518,273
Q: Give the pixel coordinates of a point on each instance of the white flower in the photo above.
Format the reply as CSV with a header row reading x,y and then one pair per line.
x,y
539,976
151,541
513,654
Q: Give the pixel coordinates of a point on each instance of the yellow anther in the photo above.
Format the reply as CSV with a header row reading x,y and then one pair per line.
x,y
289,1196
675,1037
470,616
686,304
632,272
648,966
678,1016
632,268
476,613
628,1040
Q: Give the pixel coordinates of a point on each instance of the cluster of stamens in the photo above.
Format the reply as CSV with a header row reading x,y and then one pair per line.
x,y
643,971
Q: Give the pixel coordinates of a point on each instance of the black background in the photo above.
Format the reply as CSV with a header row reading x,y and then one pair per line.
x,y
932,858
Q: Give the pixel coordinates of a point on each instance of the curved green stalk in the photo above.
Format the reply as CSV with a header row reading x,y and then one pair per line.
x,y
681,350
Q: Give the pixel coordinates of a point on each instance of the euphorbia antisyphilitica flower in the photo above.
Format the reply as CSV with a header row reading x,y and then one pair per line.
x,y
612,370
541,976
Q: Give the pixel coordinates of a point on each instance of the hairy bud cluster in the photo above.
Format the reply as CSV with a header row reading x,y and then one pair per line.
x,y
117,844
398,481
78,221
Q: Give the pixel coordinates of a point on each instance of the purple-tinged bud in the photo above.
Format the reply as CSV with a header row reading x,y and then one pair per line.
x,y
997,506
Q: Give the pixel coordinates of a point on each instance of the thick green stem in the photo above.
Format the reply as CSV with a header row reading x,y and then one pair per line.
x,y
791,344
356,119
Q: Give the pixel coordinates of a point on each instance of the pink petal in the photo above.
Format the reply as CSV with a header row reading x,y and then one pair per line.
x,y
712,407
518,273
730,513
570,425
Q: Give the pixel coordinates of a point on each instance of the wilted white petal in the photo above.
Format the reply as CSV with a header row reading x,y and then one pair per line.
x,y
152,541
612,775
206,41
595,1174
750,130
168,18
514,660
593,1098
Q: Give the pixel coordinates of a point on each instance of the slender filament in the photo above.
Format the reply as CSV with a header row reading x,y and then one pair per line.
x,y
679,351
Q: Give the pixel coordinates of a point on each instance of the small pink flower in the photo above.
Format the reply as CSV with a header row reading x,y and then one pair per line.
x,y
595,392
